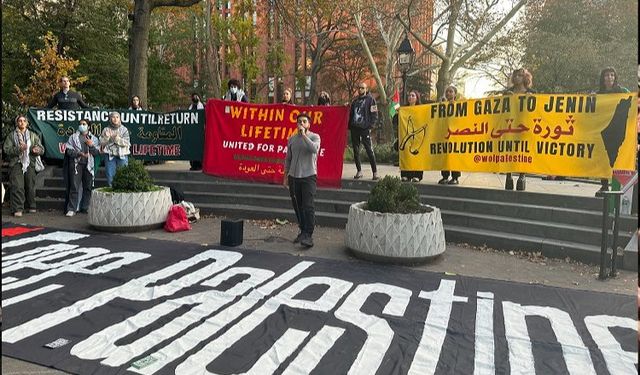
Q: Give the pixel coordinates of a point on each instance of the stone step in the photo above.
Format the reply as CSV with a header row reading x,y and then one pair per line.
x,y
548,247
559,201
338,201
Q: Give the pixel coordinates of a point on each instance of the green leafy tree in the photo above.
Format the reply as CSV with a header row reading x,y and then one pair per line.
x,y
92,31
568,42
49,66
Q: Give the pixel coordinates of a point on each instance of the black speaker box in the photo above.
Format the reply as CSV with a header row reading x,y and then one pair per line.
x,y
231,232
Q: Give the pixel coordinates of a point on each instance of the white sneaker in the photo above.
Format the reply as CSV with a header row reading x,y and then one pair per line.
x,y
70,213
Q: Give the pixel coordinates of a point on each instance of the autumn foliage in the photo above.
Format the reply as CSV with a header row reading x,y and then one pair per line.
x,y
48,68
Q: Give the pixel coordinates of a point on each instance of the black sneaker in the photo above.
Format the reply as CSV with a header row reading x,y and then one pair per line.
x,y
443,181
453,182
307,241
521,184
299,237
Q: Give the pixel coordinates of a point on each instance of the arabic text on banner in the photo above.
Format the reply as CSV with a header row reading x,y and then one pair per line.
x,y
174,135
249,141
564,135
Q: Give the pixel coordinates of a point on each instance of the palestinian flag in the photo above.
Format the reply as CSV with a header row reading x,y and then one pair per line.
x,y
395,104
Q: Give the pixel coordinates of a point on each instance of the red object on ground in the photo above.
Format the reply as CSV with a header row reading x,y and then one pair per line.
x,y
177,219
16,231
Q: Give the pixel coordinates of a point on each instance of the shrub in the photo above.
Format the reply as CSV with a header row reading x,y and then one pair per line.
x,y
132,178
390,195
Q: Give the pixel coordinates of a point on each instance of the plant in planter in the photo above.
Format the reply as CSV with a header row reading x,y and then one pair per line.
x,y
393,226
133,203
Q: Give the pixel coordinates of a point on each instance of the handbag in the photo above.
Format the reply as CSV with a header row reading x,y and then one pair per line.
x,y
39,164
177,219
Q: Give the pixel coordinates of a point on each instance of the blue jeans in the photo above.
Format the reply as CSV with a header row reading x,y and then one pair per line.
x,y
110,166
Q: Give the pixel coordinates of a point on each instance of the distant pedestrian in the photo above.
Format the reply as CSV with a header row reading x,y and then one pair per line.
x,y
406,175
65,98
521,81
81,148
363,116
450,95
324,98
300,176
287,98
135,104
196,104
116,145
609,85
22,147
234,92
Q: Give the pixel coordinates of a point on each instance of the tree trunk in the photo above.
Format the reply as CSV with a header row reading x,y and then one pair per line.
x,y
138,56
139,51
212,56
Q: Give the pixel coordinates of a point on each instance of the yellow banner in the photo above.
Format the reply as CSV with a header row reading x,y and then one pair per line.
x,y
560,134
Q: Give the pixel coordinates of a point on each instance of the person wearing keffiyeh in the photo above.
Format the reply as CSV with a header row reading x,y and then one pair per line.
x,y
80,148
116,145
22,147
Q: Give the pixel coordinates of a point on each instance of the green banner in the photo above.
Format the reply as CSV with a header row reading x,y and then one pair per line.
x,y
177,135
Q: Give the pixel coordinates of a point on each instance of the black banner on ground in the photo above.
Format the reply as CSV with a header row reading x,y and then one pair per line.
x,y
108,304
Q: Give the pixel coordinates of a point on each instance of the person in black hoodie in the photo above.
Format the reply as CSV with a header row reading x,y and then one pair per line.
x,y
362,117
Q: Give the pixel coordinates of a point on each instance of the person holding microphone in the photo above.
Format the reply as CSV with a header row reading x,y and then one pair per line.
x,y
300,176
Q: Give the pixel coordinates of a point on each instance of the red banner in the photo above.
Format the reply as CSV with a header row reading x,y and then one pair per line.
x,y
249,141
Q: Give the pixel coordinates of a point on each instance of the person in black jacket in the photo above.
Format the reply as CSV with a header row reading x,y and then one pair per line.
x,y
362,117
65,98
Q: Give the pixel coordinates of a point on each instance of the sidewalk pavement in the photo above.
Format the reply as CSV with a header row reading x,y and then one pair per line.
x,y
535,183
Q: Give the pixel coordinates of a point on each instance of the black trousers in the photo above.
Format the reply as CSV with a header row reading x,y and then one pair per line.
x,y
303,191
454,174
362,136
80,179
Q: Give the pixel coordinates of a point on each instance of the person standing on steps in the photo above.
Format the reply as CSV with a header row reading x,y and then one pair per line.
x,y
22,147
450,95
116,145
300,176
81,149
196,104
414,176
609,85
363,116
521,81
65,98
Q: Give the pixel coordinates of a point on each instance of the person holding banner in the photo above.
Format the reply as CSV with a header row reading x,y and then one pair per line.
x,y
22,147
521,80
608,84
414,176
363,116
65,98
80,148
115,144
196,104
450,95
300,176
286,97
134,103
235,93
324,98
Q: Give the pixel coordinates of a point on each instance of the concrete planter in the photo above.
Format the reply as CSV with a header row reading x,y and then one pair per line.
x,y
129,212
395,238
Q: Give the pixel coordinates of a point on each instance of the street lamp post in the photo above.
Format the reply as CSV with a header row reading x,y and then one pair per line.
x,y
405,61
